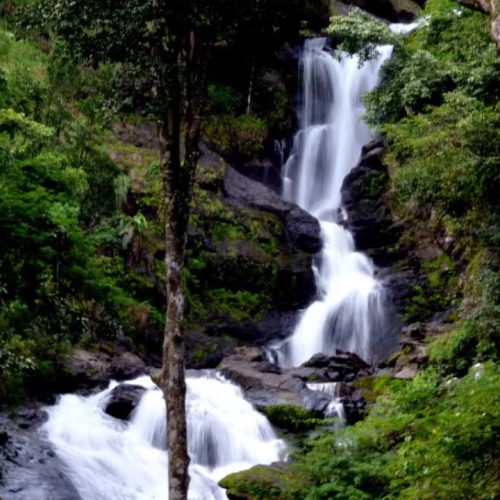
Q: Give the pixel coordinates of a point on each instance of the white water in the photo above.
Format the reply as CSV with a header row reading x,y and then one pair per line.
x,y
335,408
108,459
348,313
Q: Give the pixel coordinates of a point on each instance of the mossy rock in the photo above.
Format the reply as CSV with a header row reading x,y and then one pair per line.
x,y
261,482
292,418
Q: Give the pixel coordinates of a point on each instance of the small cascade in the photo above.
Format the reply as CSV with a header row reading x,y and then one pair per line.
x,y
349,312
279,150
335,408
108,459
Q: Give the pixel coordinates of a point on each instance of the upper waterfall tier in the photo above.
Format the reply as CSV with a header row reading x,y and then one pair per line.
x,y
349,312
332,133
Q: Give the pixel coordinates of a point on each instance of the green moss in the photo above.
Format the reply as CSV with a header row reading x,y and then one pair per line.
x,y
228,134
246,250
438,292
292,418
374,387
257,483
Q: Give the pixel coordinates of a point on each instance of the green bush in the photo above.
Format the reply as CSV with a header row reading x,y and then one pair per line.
x,y
426,438
292,418
242,135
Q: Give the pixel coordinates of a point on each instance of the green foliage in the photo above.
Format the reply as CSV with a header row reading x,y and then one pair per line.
x,y
440,57
55,289
236,135
475,340
292,418
414,80
260,483
439,291
360,33
449,155
427,438
222,99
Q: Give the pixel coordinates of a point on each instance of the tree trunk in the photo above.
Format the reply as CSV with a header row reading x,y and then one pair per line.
x,y
185,88
177,202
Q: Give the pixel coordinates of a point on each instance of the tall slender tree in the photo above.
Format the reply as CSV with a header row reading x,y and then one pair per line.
x,y
165,44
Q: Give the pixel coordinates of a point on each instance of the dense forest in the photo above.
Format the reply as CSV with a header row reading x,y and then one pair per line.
x,y
83,211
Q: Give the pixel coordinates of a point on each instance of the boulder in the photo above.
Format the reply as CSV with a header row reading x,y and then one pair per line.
x,y
342,366
369,218
263,171
87,370
302,229
29,468
266,384
206,350
123,400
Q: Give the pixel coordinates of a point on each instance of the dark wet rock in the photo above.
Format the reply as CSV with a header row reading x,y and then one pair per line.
x,y
302,230
276,325
210,171
29,468
341,362
414,331
265,384
249,368
87,370
263,171
142,136
368,215
377,233
123,400
206,350
223,334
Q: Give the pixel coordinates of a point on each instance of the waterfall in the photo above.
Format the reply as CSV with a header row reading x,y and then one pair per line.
x,y
335,408
108,459
348,312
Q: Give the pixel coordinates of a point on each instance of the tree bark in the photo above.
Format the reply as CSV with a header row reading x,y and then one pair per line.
x,y
173,373
181,86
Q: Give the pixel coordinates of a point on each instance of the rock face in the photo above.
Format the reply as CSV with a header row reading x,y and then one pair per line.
x,y
123,399
368,216
301,229
371,222
249,263
265,384
391,10
87,370
29,468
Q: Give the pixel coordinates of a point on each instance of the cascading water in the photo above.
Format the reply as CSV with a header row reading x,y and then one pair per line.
x,y
349,312
108,459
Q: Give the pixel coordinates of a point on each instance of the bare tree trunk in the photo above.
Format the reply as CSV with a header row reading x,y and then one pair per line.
x,y
177,203
185,88
174,382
